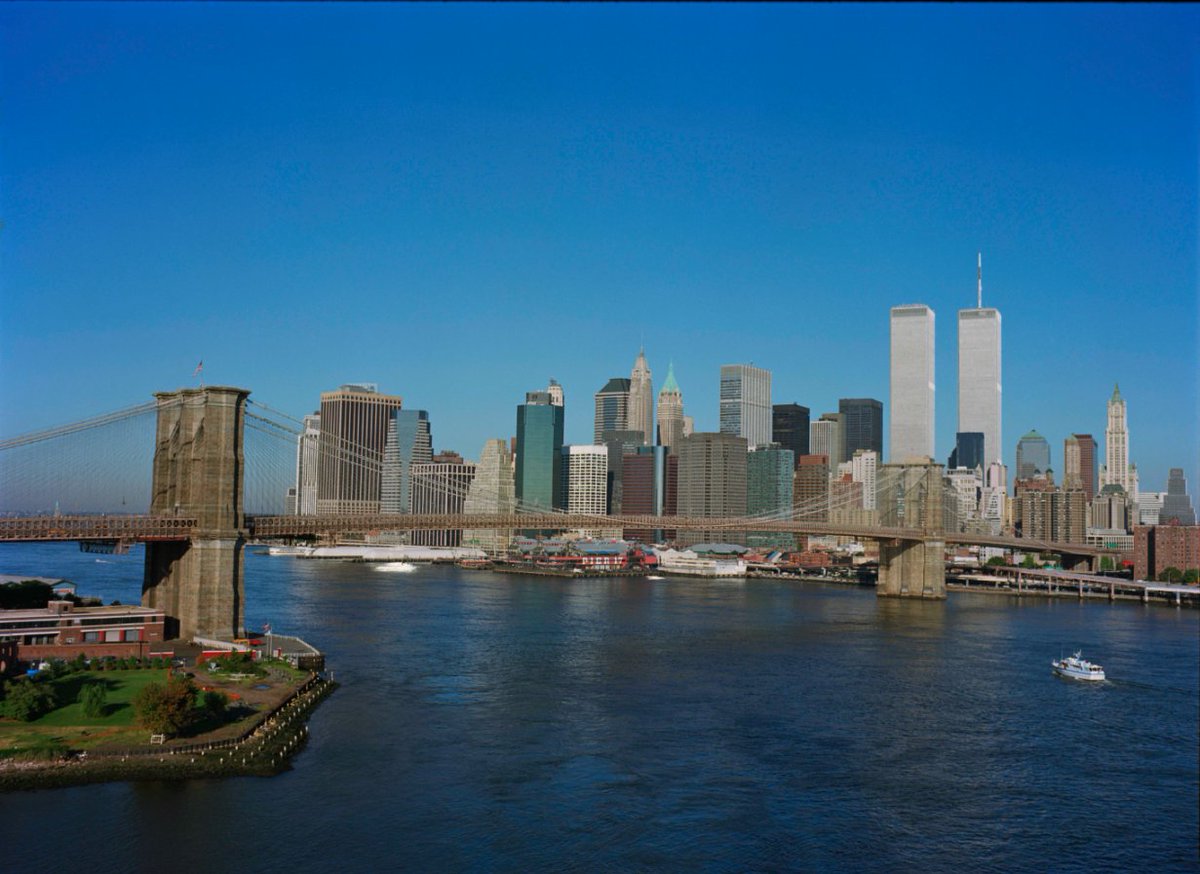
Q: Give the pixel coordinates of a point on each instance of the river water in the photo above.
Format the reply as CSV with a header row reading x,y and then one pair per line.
x,y
495,722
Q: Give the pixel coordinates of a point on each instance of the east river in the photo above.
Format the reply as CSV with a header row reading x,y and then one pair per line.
x,y
492,722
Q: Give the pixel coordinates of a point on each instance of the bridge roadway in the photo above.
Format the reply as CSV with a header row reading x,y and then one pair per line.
x,y
165,528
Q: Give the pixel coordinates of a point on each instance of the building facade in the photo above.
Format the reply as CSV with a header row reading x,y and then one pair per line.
x,y
712,481
408,442
612,408
1159,547
1033,456
863,468
354,424
641,399
1117,469
670,412
440,488
1079,464
305,493
769,484
1176,505
790,428
968,451
491,491
862,419
810,492
586,476
539,453
827,436
746,403
979,383
911,398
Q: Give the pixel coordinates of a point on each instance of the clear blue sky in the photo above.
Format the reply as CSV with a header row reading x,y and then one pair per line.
x,y
458,202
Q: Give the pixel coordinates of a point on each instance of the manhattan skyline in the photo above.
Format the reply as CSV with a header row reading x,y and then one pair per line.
x,y
460,203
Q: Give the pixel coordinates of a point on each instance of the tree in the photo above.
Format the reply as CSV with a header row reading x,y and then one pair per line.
x,y
166,708
1106,563
214,702
996,561
1191,576
1171,575
93,697
27,699
1028,561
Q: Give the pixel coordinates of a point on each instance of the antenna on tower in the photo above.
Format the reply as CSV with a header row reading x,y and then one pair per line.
x,y
979,299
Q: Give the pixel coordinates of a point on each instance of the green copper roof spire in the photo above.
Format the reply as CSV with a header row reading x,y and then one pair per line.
x,y
670,385
1116,393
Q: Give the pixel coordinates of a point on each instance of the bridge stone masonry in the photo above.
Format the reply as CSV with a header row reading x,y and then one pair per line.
x,y
198,473
196,530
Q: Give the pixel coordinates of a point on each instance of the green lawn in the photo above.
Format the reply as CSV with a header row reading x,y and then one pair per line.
x,y
121,685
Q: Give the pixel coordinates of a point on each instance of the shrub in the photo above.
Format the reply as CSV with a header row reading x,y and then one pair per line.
x,y
166,708
93,697
214,702
27,699
79,663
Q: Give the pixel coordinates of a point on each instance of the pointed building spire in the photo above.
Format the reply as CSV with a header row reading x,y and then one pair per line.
x,y
670,385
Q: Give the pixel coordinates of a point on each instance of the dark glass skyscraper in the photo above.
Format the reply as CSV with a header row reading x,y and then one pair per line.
x,y
790,424
968,450
538,480
1177,506
1033,455
862,419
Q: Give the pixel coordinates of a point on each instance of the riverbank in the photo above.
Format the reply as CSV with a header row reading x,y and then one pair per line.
x,y
262,748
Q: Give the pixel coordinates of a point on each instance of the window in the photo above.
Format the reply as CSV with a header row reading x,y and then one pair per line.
x,y
133,634
112,636
91,636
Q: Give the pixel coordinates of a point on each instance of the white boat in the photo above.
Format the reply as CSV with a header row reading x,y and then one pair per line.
x,y
396,567
1077,668
656,578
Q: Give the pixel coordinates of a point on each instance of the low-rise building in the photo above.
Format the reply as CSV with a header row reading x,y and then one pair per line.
x,y
63,630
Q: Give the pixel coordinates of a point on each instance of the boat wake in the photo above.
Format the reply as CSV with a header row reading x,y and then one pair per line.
x,y
396,567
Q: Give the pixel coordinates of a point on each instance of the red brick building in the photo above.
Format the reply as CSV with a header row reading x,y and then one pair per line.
x,y
62,630
1158,547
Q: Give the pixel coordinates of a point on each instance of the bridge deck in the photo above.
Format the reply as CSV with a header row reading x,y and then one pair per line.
x,y
151,528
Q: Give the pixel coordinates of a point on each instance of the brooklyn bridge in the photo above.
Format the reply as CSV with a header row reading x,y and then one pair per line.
x,y
210,479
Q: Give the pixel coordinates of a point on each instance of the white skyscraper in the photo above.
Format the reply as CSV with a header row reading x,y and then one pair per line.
x,y
492,491
862,470
1117,469
586,469
912,383
979,391
641,399
827,436
306,466
746,403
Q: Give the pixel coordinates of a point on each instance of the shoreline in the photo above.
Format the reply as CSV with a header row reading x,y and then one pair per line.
x,y
263,749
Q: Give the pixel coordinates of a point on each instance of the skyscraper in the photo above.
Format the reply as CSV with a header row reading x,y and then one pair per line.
x,y
1033,455
1117,469
979,390
863,420
408,442
539,452
746,402
491,491
354,422
790,428
586,478
712,480
968,451
612,408
769,472
1177,506
670,411
440,488
641,399
864,464
911,396
1079,464
810,494
307,455
827,436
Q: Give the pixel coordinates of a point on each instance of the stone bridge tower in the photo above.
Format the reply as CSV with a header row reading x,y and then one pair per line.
x,y
198,472
909,495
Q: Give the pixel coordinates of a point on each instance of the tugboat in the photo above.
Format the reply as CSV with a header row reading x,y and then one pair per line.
x,y
1077,668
